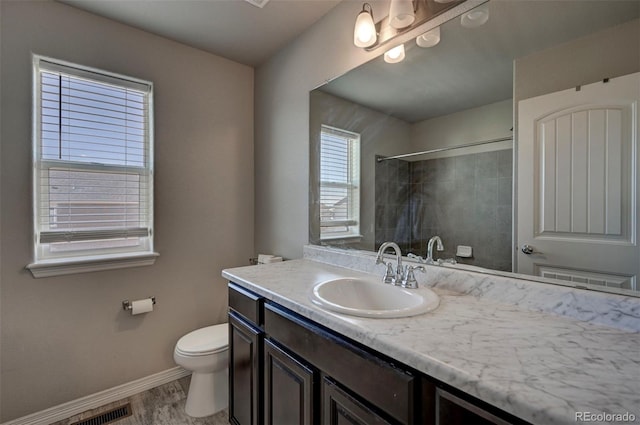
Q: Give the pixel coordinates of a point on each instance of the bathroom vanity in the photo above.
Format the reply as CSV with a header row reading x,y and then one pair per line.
x,y
287,369
479,358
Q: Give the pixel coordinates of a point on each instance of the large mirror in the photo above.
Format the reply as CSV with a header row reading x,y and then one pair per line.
x,y
403,130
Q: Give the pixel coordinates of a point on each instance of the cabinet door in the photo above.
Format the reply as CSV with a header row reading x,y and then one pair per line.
x,y
288,388
245,372
339,408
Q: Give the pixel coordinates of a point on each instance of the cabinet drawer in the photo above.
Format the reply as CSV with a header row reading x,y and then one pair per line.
x,y
380,383
453,410
246,303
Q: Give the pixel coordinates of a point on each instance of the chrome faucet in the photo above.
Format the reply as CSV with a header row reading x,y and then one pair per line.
x,y
439,247
409,280
402,276
389,276
429,259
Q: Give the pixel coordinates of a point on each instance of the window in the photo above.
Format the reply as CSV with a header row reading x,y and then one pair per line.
x,y
93,164
339,183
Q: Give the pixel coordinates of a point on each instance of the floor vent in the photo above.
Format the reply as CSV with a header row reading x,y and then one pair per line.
x,y
111,416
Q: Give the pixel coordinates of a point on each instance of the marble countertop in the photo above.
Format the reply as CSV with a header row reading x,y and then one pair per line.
x,y
538,366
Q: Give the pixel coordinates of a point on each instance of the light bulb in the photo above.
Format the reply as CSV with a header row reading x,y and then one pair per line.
x,y
429,38
401,13
394,55
475,17
364,32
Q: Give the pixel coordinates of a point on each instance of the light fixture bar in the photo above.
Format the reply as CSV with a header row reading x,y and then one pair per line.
x,y
425,10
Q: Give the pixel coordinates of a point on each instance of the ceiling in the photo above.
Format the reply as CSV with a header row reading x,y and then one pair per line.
x,y
474,67
233,29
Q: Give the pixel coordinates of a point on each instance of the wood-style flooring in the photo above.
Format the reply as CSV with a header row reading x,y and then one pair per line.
x,y
163,405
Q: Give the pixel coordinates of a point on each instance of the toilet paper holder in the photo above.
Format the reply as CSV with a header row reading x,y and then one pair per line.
x,y
126,304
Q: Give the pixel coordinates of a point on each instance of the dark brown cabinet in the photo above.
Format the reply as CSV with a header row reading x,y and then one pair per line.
x,y
287,369
288,388
373,380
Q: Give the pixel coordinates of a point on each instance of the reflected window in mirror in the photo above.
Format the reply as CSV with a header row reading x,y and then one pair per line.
x,y
339,183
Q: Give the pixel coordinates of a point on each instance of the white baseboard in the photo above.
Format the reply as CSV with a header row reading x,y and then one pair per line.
x,y
71,408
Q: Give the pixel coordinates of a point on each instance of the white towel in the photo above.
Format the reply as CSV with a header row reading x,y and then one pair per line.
x,y
263,258
268,258
273,259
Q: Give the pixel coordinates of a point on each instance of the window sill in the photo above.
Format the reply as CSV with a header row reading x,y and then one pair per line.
x,y
59,267
355,238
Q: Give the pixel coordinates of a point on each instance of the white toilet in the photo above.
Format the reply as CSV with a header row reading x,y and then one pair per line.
x,y
205,352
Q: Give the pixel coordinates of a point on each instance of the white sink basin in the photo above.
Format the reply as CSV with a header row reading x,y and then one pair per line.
x,y
371,298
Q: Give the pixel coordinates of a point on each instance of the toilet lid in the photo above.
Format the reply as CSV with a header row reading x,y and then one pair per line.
x,y
204,341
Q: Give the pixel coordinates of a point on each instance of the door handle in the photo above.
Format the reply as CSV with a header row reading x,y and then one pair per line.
x,y
527,249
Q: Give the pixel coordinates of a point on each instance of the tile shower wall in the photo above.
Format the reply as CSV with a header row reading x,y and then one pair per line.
x,y
392,215
466,200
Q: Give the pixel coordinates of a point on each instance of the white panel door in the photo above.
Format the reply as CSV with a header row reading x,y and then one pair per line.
x,y
578,184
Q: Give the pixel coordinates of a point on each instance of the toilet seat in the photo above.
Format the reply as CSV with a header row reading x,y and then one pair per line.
x,y
204,341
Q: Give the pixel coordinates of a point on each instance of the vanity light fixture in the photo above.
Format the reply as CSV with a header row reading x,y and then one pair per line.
x,y
429,38
401,13
475,17
364,33
404,16
395,54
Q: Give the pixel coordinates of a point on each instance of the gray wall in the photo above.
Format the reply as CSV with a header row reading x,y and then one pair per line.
x,y
609,53
65,337
380,134
282,89
323,52
491,121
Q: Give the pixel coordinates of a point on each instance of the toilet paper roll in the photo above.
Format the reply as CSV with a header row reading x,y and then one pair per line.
x,y
141,306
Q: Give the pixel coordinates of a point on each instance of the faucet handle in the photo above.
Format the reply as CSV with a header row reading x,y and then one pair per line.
x,y
389,275
416,257
409,280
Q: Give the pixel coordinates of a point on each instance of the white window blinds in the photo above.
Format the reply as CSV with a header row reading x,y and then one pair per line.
x,y
93,161
339,183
